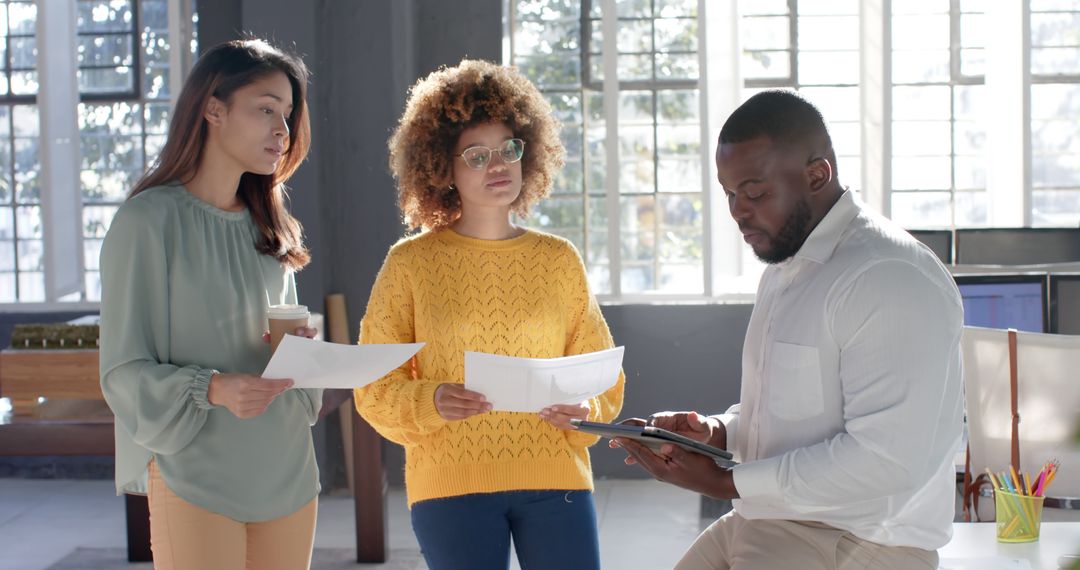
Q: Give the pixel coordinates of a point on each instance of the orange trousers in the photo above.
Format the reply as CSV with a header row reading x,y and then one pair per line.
x,y
186,537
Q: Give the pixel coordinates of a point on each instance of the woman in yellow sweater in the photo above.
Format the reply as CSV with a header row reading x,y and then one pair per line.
x,y
478,142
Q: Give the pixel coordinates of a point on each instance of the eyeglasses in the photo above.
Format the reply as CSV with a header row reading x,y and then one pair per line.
x,y
478,157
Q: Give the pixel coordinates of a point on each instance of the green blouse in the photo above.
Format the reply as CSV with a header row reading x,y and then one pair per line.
x,y
184,295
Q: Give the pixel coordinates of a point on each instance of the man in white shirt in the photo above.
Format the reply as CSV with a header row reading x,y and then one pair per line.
x,y
851,412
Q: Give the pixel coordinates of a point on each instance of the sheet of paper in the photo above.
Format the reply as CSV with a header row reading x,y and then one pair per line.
x,y
514,384
984,563
317,364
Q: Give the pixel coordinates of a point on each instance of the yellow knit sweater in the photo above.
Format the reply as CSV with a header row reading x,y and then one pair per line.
x,y
526,297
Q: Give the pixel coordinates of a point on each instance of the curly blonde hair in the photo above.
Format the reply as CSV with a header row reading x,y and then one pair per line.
x,y
447,102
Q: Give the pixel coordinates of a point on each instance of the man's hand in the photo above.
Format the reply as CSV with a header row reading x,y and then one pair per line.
x,y
244,395
559,415
693,425
682,468
705,429
454,402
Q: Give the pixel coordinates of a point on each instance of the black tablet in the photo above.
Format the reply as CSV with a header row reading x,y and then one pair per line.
x,y
654,437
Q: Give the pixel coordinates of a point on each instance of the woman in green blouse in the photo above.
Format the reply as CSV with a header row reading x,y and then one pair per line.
x,y
192,260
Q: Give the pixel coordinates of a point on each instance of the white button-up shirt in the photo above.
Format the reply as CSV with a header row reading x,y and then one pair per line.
x,y
851,405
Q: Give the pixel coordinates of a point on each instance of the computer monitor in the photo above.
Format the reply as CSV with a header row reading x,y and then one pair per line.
x,y
939,242
1004,301
1017,246
1065,303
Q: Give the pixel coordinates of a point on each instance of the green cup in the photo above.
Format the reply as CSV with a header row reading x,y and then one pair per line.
x,y
1018,516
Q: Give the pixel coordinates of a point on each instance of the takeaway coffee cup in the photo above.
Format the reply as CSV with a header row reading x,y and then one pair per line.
x,y
283,320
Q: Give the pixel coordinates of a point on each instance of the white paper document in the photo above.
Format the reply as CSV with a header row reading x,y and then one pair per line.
x,y
317,364
514,384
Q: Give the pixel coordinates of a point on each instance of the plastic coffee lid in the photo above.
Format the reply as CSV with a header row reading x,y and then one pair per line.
x,y
287,311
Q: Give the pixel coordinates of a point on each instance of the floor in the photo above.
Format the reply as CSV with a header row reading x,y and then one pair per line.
x,y
79,525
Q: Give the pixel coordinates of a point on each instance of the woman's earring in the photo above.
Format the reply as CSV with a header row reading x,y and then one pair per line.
x,y
452,188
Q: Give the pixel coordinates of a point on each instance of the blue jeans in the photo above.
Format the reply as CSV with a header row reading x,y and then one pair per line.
x,y
551,529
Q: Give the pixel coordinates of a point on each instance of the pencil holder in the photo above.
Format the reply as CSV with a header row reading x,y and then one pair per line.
x,y
1018,516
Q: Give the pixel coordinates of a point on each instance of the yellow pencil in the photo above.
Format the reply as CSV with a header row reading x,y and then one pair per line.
x,y
1015,480
993,480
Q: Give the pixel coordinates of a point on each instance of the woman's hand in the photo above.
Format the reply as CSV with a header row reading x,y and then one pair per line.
x,y
454,402
307,332
560,415
244,395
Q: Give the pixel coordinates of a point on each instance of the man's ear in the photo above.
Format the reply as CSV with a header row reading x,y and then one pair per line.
x,y
215,111
819,173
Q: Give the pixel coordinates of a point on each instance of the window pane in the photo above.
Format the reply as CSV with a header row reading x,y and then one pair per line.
x,y
676,8
820,33
973,30
548,37
30,253
1055,137
7,255
1055,170
972,209
550,70
829,67
920,66
27,167
970,172
929,102
1055,61
1055,29
970,137
7,288
835,103
676,66
31,287
1059,208
770,33
634,36
634,67
829,7
547,9
922,173
7,224
920,32
921,138
766,64
676,35
1055,101
93,286
763,7
921,209
103,16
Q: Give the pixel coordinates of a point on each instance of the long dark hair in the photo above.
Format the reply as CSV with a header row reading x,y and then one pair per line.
x,y
218,73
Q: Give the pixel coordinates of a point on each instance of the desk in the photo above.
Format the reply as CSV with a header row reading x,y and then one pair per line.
x,y
979,540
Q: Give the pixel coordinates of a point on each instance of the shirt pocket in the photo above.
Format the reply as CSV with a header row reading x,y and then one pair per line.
x,y
795,381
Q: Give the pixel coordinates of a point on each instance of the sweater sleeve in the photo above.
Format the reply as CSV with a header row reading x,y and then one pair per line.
x,y
161,405
400,406
588,332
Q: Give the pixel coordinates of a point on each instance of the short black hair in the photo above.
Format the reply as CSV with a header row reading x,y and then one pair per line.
x,y
782,116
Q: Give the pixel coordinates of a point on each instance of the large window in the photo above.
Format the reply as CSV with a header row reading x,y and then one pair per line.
x,y
1055,112
21,276
933,170
656,208
121,134
122,71
938,138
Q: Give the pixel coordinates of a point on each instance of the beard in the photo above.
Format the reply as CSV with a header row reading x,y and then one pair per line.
x,y
790,237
